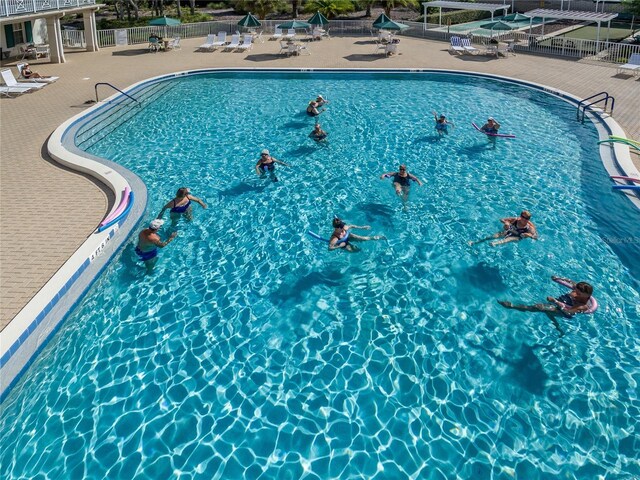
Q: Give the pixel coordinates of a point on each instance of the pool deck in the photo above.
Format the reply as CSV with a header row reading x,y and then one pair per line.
x,y
47,212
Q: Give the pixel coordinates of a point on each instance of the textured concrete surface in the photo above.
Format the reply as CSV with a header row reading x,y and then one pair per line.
x,y
46,211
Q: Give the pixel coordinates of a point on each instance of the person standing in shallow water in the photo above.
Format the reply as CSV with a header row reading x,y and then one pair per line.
x,y
402,181
342,236
268,164
149,242
181,205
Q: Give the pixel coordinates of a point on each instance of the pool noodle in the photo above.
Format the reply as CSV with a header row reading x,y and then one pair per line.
x,y
626,187
317,237
630,179
121,206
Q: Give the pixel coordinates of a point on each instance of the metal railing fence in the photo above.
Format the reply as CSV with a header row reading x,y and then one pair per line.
x,y
20,7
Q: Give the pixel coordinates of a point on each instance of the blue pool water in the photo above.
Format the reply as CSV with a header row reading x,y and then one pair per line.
x,y
253,352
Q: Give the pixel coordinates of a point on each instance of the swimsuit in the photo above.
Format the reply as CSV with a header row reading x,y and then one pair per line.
x,y
180,208
490,130
319,136
403,181
441,126
268,166
344,239
145,256
311,113
515,231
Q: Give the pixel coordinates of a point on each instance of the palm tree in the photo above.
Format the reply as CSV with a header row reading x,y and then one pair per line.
x,y
261,8
391,4
329,8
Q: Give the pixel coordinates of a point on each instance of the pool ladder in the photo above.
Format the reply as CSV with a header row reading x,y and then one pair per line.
x,y
597,98
115,88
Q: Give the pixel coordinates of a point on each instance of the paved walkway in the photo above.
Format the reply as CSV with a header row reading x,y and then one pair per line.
x,y
46,212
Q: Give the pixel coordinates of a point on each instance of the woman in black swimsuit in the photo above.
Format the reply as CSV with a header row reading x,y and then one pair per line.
x,y
401,181
514,229
268,164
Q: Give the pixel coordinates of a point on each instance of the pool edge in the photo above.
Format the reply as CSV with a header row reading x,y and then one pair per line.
x,y
30,330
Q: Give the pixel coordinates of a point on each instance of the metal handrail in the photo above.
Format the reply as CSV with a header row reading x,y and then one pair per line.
x,y
582,105
115,88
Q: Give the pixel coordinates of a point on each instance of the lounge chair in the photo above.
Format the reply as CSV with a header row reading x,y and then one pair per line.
x,y
456,45
20,66
174,44
9,91
247,43
466,44
10,81
208,44
221,41
235,42
290,33
277,34
632,65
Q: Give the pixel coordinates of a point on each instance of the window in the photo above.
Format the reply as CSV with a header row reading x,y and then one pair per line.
x,y
18,33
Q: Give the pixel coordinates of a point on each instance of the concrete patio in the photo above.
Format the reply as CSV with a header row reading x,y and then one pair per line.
x,y
47,211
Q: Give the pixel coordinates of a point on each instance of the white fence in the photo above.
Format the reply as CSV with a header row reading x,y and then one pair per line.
x,y
548,45
20,7
73,38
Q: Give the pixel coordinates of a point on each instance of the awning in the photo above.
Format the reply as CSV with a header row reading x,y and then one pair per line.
x,y
486,7
581,16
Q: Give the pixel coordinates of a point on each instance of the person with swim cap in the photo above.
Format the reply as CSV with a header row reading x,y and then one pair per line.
x,y
318,134
268,164
442,124
401,181
342,236
321,101
578,300
514,229
181,205
491,126
149,242
312,109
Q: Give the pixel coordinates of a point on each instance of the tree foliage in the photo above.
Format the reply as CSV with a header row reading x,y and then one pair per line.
x,y
261,8
391,4
329,8
632,6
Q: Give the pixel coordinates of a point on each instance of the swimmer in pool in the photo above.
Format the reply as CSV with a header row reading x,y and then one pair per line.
x,y
402,181
149,242
312,109
442,124
268,164
321,101
318,134
342,236
181,205
514,229
578,300
491,126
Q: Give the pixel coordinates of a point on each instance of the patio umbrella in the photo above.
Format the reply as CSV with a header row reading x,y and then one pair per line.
x,y
164,22
498,25
381,19
318,19
391,25
249,21
515,17
295,24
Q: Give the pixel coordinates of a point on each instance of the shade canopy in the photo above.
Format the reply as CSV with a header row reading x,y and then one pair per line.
x,y
294,24
164,22
249,21
499,25
318,19
515,17
391,25
381,19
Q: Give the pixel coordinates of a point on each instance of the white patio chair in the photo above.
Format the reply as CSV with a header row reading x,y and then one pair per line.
x,y
303,50
456,45
9,91
208,44
284,47
10,81
503,49
632,65
42,51
221,41
466,44
247,43
174,44
235,42
20,66
290,33
292,49
277,34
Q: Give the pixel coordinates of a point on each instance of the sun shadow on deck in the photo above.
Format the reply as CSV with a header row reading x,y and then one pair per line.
x,y
264,57
359,57
130,53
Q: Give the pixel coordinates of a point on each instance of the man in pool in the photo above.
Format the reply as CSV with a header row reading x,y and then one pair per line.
x,y
318,134
578,300
514,229
491,126
402,181
268,164
342,236
149,242
442,124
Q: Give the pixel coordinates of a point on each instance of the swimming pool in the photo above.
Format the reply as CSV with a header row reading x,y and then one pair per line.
x,y
254,351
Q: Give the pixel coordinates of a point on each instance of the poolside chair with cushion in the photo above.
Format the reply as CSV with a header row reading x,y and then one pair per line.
x,y
10,81
277,34
456,45
221,41
208,44
466,44
247,43
632,65
235,42
20,66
